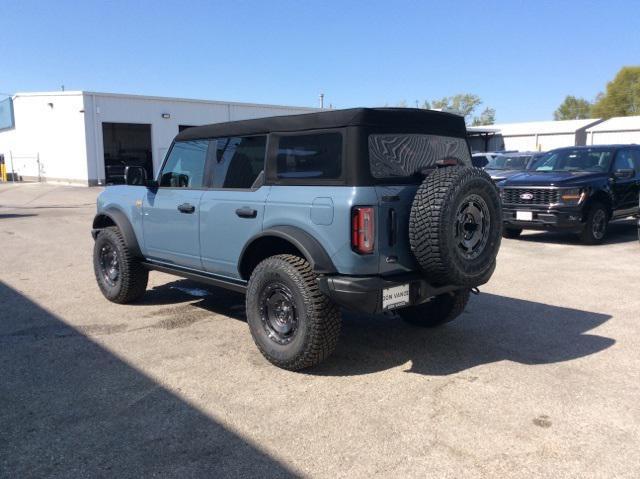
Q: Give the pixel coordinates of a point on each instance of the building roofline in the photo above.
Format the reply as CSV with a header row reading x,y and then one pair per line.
x,y
161,98
551,127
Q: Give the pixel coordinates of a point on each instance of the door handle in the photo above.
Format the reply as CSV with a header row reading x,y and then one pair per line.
x,y
186,208
246,212
393,227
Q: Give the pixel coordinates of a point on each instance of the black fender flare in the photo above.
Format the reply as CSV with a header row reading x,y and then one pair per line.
x,y
310,247
603,195
124,225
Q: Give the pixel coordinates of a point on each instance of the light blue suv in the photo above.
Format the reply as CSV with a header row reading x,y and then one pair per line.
x,y
371,210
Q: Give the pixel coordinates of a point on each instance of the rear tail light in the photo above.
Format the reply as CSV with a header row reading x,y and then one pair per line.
x,y
362,229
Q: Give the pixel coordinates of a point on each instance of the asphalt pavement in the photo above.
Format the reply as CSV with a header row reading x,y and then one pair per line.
x,y
539,377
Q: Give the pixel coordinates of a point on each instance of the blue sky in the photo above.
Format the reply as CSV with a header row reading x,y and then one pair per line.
x,y
521,58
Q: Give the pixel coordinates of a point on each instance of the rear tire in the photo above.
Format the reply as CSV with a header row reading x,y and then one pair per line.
x,y
293,324
120,276
511,233
455,226
439,310
595,228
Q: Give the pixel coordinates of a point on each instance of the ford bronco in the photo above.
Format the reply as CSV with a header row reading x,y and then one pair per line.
x,y
370,210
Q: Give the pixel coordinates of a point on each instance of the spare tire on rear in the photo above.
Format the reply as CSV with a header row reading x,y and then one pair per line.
x,y
455,226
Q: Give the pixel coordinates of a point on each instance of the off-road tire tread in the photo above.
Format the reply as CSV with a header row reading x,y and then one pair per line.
x,y
323,315
133,276
428,225
433,313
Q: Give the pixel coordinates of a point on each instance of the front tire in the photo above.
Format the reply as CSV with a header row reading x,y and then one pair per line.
x,y
293,324
595,228
120,276
437,311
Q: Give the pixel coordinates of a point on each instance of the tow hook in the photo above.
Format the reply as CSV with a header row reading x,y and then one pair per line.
x,y
475,291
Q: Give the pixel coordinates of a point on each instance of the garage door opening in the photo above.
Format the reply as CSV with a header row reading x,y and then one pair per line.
x,y
126,144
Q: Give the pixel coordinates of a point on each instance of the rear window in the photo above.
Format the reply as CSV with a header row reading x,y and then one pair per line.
x,y
506,162
317,156
402,155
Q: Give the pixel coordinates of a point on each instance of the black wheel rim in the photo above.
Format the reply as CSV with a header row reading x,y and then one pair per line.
x,y
472,227
109,264
278,313
598,224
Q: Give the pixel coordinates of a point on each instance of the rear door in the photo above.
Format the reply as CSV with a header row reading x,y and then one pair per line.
x,y
394,207
171,214
232,210
625,189
635,153
399,161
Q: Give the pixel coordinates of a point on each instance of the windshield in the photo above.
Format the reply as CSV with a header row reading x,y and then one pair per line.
x,y
404,155
586,159
508,162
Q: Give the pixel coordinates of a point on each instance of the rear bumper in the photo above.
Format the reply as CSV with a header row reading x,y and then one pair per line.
x,y
566,219
363,294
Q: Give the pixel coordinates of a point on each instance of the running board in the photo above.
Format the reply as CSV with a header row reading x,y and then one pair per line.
x,y
201,277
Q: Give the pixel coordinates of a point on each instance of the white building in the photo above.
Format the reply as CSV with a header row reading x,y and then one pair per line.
x,y
544,135
86,138
621,129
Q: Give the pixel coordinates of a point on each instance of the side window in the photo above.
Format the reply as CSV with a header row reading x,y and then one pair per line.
x,y
624,160
635,158
310,156
238,161
185,166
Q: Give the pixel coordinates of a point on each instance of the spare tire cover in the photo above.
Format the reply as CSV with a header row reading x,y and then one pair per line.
x,y
455,226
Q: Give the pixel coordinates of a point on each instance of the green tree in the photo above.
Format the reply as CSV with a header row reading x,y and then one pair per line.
x,y
487,117
622,96
573,108
463,103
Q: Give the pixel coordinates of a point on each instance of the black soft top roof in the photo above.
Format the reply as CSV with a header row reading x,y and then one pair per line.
x,y
414,119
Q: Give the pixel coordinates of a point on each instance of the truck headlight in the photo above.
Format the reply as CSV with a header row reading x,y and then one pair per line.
x,y
573,196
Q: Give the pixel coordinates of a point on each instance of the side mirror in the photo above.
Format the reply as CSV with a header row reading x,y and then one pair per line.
x,y
137,176
624,173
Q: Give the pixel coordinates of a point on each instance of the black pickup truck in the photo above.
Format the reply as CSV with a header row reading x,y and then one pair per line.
x,y
575,189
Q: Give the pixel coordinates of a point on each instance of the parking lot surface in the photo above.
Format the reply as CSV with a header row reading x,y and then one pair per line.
x,y
540,376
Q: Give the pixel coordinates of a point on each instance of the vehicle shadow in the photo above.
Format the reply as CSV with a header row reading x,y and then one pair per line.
x,y
6,216
210,298
71,408
622,231
493,328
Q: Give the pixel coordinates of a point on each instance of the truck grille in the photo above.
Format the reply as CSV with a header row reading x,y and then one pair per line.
x,y
539,196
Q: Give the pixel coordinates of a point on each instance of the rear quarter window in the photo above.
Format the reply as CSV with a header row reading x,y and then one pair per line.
x,y
313,156
402,155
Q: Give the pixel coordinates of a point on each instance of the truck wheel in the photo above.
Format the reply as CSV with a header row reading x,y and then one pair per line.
x,y
121,277
293,324
511,232
595,228
438,310
455,226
